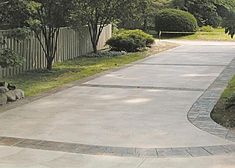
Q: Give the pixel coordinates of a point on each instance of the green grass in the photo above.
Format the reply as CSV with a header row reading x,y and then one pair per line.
x,y
37,82
222,115
217,34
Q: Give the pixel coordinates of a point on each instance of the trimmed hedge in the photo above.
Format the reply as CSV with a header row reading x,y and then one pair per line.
x,y
175,20
130,40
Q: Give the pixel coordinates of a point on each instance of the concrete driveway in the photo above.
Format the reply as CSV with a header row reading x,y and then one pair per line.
x,y
132,113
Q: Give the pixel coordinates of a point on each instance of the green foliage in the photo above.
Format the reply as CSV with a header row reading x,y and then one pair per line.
x,y
13,13
9,58
175,20
18,33
207,12
141,14
130,40
206,29
229,24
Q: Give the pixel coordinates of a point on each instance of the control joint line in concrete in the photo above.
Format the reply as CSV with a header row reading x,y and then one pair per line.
x,y
181,152
142,87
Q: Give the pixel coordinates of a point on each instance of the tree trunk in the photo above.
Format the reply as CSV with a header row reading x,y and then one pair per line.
x,y
94,46
49,64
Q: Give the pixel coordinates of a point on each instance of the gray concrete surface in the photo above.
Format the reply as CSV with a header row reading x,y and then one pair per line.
x,y
142,106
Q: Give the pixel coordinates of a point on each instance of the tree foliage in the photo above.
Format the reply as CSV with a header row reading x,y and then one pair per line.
x,y
207,12
230,24
9,58
204,10
141,14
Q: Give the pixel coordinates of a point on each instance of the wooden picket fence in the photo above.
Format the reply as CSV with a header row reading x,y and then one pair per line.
x,y
71,44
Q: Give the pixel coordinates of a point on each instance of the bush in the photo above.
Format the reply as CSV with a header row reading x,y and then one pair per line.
x,y
206,29
9,58
175,20
130,40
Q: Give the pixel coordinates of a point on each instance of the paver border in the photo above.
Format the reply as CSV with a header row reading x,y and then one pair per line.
x,y
180,152
200,113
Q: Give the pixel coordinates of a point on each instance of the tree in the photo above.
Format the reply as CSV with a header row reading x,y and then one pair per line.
x,y
43,17
96,14
46,18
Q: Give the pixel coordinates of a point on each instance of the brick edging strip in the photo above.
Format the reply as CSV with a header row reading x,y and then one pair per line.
x,y
181,152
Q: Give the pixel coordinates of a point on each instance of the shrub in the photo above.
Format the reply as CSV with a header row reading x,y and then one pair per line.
x,y
130,40
206,29
9,58
175,20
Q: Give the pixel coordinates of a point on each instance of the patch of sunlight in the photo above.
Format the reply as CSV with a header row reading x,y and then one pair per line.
x,y
137,100
107,97
154,90
200,75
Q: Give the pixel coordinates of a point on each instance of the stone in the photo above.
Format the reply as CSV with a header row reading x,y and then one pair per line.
x,y
3,89
4,84
19,94
3,99
11,87
11,96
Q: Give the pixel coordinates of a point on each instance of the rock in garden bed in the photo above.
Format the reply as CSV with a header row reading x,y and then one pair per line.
x,y
9,93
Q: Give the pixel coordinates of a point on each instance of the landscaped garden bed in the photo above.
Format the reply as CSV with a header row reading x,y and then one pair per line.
x,y
224,112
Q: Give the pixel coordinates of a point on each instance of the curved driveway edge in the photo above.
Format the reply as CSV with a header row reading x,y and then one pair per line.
x,y
200,113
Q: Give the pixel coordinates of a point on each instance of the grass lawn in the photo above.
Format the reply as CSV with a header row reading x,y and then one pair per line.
x,y
217,34
37,82
220,114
